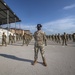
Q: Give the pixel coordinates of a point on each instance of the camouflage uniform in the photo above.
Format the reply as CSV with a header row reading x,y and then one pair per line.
x,y
4,39
59,38
13,38
16,37
64,39
40,38
27,39
53,38
56,38
24,38
70,36
49,37
10,39
73,37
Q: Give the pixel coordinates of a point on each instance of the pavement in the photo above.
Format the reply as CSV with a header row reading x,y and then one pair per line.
x,y
17,59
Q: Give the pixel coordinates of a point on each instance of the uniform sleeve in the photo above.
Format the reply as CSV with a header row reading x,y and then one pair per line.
x,y
45,36
34,36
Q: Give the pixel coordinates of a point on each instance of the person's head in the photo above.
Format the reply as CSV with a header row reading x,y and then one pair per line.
x,y
3,33
64,33
39,26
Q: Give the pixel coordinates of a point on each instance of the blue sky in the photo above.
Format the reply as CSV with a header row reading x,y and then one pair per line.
x,y
56,16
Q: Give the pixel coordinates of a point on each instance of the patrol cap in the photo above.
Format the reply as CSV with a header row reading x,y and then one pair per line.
x,y
39,25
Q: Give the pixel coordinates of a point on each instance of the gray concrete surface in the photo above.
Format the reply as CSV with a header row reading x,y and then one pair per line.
x,y
16,60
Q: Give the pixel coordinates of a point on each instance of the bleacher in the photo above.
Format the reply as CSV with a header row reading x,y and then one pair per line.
x,y
6,16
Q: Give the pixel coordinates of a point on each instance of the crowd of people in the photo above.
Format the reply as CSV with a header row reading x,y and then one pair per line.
x,y
26,38
62,38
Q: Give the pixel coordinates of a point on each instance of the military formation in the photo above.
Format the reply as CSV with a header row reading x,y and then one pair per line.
x,y
61,38
26,38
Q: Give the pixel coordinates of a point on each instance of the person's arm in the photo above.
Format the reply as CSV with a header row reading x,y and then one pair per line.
x,y
34,36
45,39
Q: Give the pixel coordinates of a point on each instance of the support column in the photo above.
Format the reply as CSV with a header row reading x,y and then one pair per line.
x,y
15,25
7,23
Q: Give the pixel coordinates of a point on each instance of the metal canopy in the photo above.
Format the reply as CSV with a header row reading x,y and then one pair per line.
x,y
7,14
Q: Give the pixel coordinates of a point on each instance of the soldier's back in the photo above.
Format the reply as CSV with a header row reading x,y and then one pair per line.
x,y
39,37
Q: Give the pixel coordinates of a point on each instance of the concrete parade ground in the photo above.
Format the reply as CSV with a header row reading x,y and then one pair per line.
x,y
16,59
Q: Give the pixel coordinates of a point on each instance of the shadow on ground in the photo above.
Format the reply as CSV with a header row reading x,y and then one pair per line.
x,y
17,58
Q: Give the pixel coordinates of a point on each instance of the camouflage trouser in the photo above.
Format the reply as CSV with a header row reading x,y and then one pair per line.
x,y
36,50
24,41
13,40
4,41
10,40
27,42
64,42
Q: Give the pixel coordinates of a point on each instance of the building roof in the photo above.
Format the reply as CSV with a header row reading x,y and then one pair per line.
x,y
3,14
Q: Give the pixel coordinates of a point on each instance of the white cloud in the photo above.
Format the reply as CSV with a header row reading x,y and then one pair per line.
x,y
60,26
69,7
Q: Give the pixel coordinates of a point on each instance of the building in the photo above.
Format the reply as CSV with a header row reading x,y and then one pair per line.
x,y
19,31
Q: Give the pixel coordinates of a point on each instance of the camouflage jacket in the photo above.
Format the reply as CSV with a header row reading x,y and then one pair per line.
x,y
39,37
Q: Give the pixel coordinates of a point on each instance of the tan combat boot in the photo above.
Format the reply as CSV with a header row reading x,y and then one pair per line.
x,y
35,61
44,62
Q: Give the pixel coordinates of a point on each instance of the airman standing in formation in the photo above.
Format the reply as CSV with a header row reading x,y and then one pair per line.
x,y
10,39
70,36
56,38
13,38
39,37
16,37
24,38
53,38
4,39
64,39
59,38
49,37
27,39
73,37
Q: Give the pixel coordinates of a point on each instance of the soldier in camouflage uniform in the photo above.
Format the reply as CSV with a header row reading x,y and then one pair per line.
x,y
16,37
27,39
67,37
59,38
13,38
4,39
56,38
53,38
70,36
39,37
73,37
49,37
10,39
64,39
24,38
